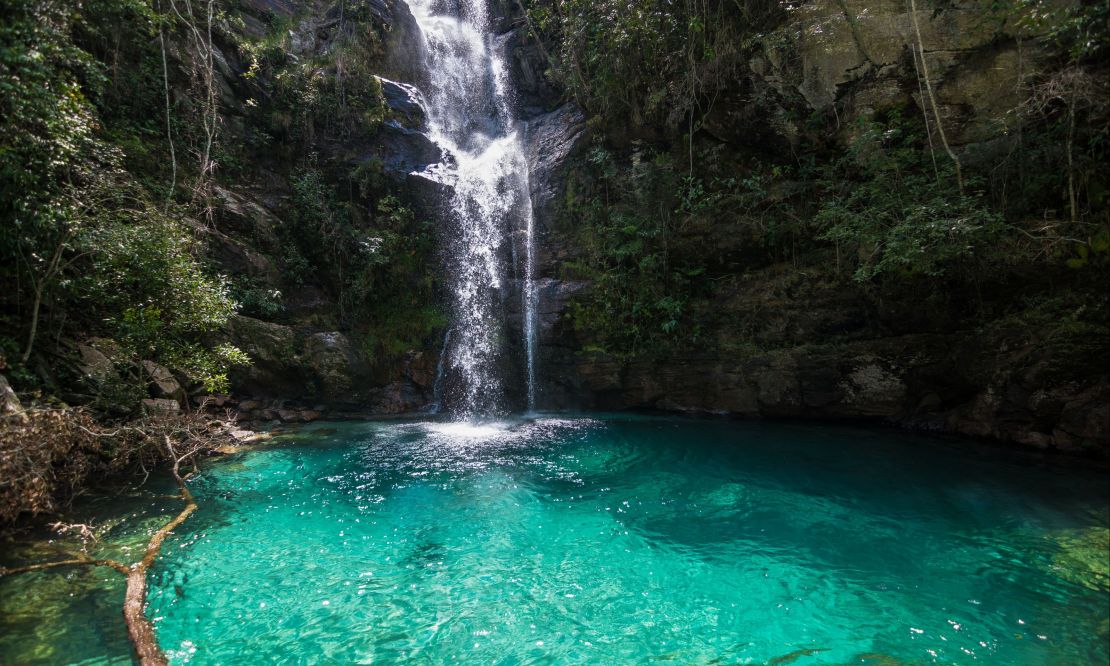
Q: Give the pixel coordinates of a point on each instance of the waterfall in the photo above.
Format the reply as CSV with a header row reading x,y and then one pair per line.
x,y
529,306
441,370
470,117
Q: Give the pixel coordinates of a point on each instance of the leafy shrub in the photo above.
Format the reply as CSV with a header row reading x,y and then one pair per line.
x,y
257,301
898,212
671,58
642,276
84,246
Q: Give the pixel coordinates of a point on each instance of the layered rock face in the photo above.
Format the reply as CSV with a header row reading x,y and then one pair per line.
x,y
793,346
790,346
830,361
308,349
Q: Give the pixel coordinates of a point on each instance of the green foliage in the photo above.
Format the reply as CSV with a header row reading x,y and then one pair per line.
x,y
139,273
401,326
84,247
48,128
900,214
336,91
396,291
670,55
258,301
1079,29
642,276
379,268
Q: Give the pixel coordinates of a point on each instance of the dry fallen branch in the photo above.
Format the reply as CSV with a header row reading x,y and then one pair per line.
x,y
193,435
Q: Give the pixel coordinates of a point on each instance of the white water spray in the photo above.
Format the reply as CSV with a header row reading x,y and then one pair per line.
x,y
470,117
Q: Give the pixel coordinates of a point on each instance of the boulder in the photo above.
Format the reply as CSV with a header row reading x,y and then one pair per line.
x,y
248,218
275,365
162,382
10,407
402,150
289,415
397,398
330,357
243,435
161,406
404,101
98,358
95,364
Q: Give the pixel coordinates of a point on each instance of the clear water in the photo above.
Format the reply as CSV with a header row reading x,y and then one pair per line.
x,y
617,540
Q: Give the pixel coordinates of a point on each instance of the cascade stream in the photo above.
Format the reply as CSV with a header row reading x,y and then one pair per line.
x,y
470,116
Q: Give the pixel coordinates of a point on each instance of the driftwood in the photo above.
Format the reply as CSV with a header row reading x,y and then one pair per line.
x,y
139,627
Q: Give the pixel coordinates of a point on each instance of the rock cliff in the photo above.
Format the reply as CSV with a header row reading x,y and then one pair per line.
x,y
788,340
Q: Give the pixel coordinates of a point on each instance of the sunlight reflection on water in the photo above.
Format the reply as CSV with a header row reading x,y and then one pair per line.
x,y
608,540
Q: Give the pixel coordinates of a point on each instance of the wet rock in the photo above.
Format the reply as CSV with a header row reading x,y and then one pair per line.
x,y
404,101
529,67
550,140
404,44
403,150
420,368
397,398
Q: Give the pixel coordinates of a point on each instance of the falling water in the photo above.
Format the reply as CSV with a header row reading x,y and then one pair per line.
x,y
470,118
529,303
441,371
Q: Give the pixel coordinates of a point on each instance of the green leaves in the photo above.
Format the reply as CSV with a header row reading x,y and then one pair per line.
x,y
1094,251
1080,29
885,202
78,228
642,276
138,271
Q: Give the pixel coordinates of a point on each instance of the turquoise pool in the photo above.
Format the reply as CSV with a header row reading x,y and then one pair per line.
x,y
607,540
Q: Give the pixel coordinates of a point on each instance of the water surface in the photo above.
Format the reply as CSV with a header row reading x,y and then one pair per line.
x,y
601,541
